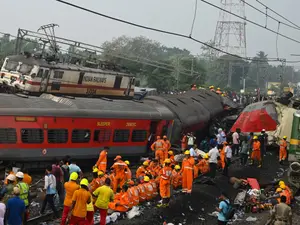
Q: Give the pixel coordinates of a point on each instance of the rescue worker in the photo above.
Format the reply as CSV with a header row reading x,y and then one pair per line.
x,y
7,189
203,164
80,199
102,160
95,182
219,92
222,155
134,193
282,213
283,150
283,186
102,177
194,87
212,88
165,183
256,154
8,172
280,192
155,187
154,168
128,174
184,142
142,191
70,187
142,171
171,157
167,146
121,205
119,170
24,192
187,172
263,139
158,147
148,188
176,177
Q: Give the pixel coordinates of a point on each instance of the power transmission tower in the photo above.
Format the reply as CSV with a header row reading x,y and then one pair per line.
x,y
230,34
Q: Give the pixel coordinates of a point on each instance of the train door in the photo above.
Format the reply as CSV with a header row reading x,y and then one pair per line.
x,y
152,133
118,81
81,75
130,83
44,80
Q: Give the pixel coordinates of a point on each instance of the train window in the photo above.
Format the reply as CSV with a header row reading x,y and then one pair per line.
x,y
55,86
80,79
81,136
40,73
32,135
102,135
8,136
57,136
118,81
139,135
58,74
45,75
121,135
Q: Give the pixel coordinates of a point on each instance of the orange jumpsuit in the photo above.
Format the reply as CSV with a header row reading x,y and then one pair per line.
x,y
184,143
102,161
119,170
27,179
142,193
256,151
222,156
141,172
94,184
282,151
134,192
128,174
167,146
203,166
102,179
123,203
177,179
196,171
158,147
187,174
148,190
165,182
154,185
154,169
172,158
287,195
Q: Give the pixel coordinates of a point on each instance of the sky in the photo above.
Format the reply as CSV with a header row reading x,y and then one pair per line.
x,y
171,15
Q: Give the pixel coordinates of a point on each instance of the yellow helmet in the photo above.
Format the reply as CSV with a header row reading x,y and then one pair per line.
x,y
84,182
278,190
74,176
282,186
255,138
187,152
146,179
146,163
177,167
281,182
95,170
170,153
167,161
218,88
211,87
127,162
206,156
100,173
223,95
284,137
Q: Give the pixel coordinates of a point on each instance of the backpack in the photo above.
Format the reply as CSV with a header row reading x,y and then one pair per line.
x,y
230,211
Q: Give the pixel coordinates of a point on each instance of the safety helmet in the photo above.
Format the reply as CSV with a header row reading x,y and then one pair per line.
x,y
118,157
284,137
211,87
206,156
165,136
127,162
278,190
11,177
177,167
84,182
220,130
218,88
223,95
20,175
145,163
146,179
100,173
167,161
170,153
282,186
281,182
95,170
157,137
255,138
74,176
187,152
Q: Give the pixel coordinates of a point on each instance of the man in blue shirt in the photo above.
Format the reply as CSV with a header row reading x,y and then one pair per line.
x,y
15,210
223,209
74,168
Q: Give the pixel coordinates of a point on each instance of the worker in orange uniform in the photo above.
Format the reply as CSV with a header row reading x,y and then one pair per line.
x,y
194,87
283,186
142,191
80,199
256,152
212,88
283,150
222,154
165,183
70,187
154,184
134,193
219,92
167,146
176,177
142,171
148,188
102,177
154,168
102,160
128,174
27,178
119,170
184,142
121,205
203,164
96,181
187,172
171,157
158,147
280,192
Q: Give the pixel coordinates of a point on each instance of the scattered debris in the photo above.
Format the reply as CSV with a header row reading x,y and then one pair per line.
x,y
214,214
135,211
251,219
190,208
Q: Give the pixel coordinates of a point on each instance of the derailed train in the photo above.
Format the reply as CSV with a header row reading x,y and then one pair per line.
x,y
41,128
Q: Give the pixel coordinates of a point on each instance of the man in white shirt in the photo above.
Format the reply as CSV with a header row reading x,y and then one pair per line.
x,y
236,141
191,140
228,156
213,161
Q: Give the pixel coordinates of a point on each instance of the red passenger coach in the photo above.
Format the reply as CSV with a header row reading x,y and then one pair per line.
x,y
41,128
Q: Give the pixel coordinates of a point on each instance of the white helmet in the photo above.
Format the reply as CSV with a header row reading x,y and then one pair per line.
x,y
220,130
11,177
20,175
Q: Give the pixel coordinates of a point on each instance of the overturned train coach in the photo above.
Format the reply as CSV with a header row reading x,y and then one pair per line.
x,y
41,128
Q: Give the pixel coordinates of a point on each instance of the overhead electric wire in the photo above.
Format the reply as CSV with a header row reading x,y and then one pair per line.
x,y
283,17
167,32
194,18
